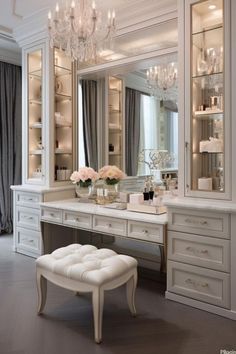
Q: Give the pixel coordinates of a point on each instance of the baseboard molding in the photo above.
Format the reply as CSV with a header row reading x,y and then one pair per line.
x,y
201,305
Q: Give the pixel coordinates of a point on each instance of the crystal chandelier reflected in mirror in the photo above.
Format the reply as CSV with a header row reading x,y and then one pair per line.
x,y
162,81
81,30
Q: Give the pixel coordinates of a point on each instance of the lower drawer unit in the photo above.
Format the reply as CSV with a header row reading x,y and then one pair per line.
x,y
75,219
110,225
198,250
28,240
199,222
145,231
198,283
52,215
28,199
28,218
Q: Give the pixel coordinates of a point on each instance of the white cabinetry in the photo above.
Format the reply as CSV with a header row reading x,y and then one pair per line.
x,y
195,259
27,215
48,146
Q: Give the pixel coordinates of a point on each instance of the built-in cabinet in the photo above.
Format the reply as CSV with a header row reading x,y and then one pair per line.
x,y
48,115
207,99
201,225
115,122
63,116
48,155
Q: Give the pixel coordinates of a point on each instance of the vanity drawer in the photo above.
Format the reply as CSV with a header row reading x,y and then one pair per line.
x,y
202,251
28,217
28,240
51,215
110,225
199,222
77,219
27,199
199,283
145,231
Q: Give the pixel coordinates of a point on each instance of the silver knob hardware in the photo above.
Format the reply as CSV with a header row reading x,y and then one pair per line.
x,y
52,215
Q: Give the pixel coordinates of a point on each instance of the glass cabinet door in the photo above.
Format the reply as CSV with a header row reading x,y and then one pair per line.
x,y
63,117
207,126
35,115
115,122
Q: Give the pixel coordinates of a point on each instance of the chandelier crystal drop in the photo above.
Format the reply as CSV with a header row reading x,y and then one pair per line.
x,y
162,81
81,30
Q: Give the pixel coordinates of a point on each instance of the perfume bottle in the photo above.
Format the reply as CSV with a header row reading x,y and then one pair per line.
x,y
146,190
151,189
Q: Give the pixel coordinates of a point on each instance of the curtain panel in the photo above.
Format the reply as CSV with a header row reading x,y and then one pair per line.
x,y
10,140
132,130
89,102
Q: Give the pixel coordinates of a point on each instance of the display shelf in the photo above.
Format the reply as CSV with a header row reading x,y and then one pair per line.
x,y
213,28
207,75
209,113
207,121
62,97
61,71
36,152
63,151
36,125
35,101
63,116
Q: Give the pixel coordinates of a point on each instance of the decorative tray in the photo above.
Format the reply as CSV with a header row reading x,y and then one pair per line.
x,y
145,208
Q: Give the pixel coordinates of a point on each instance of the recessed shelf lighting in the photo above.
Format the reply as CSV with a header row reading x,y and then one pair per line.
x,y
211,7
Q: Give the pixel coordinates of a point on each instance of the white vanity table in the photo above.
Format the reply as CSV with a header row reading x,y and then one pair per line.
x,y
99,219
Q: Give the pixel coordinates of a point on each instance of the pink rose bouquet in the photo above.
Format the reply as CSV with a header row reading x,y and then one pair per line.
x,y
111,174
84,177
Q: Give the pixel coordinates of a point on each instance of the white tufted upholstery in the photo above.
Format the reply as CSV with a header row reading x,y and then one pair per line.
x,y
86,263
84,268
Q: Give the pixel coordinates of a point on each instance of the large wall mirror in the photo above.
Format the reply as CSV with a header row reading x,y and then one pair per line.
x,y
129,118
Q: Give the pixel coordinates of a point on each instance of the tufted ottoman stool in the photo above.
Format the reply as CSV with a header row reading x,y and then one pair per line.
x,y
84,268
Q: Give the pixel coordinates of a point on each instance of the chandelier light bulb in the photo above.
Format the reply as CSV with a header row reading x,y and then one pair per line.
x,y
49,15
57,8
93,5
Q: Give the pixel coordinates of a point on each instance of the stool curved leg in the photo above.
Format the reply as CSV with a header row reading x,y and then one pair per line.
x,y
98,301
130,292
42,292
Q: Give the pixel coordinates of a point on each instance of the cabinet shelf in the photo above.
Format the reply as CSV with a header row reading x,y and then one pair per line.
x,y
205,153
37,73
204,114
61,71
207,75
36,152
36,125
35,101
213,28
63,151
62,97
113,153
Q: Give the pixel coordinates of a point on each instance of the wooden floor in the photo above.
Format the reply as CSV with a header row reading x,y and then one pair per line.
x,y
161,327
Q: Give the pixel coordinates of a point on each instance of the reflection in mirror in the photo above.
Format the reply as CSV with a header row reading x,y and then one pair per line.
x,y
150,122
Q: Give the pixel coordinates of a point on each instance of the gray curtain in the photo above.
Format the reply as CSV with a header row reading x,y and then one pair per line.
x,y
132,130
10,139
89,101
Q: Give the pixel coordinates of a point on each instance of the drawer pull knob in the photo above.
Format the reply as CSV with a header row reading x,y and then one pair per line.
x,y
52,215
77,219
203,222
190,281
204,285
191,249
204,251
145,232
109,225
190,221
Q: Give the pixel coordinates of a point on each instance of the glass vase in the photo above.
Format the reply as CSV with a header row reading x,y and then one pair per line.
x,y
111,191
83,192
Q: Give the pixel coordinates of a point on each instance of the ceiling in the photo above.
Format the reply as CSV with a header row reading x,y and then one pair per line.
x,y
14,12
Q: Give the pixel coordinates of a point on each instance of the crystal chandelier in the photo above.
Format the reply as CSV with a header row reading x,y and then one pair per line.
x,y
162,81
81,30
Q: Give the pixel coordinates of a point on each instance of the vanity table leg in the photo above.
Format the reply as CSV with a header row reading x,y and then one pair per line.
x,y
163,251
